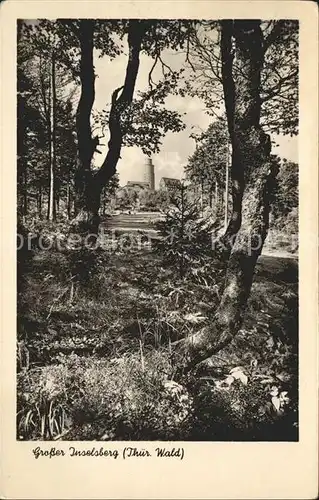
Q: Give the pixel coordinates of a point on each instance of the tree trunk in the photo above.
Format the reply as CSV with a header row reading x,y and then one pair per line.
x,y
22,167
202,196
104,203
211,187
85,202
216,197
88,186
237,168
251,150
57,203
68,199
182,235
226,194
21,137
52,188
25,187
40,201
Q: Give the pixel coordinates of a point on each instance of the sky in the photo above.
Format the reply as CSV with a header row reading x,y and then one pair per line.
x,y
176,147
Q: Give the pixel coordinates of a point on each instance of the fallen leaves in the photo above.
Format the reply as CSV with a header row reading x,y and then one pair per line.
x,y
279,399
235,373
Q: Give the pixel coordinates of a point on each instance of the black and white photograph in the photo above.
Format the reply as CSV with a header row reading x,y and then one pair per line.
x,y
157,171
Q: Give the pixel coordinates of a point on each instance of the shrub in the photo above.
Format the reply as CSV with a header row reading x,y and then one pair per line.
x,y
245,408
125,398
185,235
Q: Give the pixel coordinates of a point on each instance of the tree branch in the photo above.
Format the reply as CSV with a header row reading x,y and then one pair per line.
x,y
164,65
276,89
150,81
187,54
274,34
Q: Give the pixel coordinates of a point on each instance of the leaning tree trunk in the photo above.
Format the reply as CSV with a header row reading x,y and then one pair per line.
x,y
251,155
89,185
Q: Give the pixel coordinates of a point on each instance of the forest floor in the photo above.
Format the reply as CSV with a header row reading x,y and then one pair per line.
x,y
94,334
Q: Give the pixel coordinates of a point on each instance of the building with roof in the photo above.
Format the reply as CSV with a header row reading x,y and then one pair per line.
x,y
169,184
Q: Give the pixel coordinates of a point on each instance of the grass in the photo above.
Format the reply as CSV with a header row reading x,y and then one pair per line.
x,y
94,352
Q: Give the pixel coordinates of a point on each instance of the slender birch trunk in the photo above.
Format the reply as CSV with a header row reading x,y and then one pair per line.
x,y
52,187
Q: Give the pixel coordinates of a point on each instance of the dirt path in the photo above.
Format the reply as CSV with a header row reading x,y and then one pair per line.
x,y
273,261
278,268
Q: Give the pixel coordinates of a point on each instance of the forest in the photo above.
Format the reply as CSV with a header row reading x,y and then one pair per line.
x,y
157,314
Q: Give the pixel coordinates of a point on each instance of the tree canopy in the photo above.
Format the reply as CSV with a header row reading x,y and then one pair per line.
x,y
279,74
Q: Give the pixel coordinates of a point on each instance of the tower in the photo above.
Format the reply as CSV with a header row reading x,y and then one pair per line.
x,y
148,173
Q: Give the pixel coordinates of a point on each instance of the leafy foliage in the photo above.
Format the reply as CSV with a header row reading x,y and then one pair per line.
x,y
153,200
279,78
34,121
207,166
211,155
286,191
146,120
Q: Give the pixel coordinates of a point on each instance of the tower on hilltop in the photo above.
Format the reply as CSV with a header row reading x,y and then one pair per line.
x,y
148,173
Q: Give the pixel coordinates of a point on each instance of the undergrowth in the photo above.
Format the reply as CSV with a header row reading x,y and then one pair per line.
x,y
93,355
